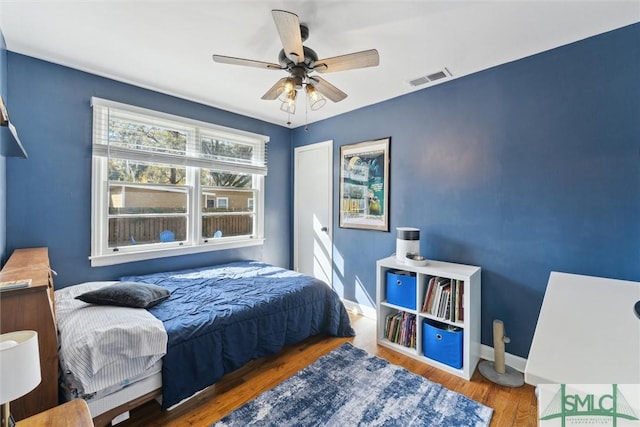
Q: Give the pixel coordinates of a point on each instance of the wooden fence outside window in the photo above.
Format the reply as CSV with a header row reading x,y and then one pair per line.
x,y
128,231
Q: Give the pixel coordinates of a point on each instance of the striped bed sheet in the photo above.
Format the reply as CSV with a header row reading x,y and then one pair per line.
x,y
101,347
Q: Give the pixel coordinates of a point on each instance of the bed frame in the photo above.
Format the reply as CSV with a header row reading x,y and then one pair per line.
x,y
105,418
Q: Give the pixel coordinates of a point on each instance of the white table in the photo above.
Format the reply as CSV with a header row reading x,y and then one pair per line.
x,y
587,333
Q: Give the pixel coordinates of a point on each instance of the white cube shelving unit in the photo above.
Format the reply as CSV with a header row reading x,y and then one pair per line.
x,y
468,274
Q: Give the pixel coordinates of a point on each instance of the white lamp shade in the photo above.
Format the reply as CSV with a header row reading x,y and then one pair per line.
x,y
19,364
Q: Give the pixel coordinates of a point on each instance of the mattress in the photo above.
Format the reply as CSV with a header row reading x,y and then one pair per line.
x,y
71,388
101,404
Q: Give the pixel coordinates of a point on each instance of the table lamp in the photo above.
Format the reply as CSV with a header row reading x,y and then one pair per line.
x,y
19,368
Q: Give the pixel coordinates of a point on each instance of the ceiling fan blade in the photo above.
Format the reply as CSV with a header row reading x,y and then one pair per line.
x,y
366,58
327,89
275,90
246,62
288,27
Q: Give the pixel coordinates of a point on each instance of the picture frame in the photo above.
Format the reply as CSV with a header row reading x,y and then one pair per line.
x,y
364,185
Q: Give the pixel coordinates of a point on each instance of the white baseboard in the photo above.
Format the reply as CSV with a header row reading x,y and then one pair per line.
x,y
516,362
486,352
360,309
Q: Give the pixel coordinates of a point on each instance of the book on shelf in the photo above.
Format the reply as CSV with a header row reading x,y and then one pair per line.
x,y
443,286
400,328
396,333
428,295
455,288
387,323
455,284
14,284
461,304
458,301
455,314
437,293
390,323
444,298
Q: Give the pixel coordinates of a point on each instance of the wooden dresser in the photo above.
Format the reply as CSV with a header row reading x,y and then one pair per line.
x,y
32,308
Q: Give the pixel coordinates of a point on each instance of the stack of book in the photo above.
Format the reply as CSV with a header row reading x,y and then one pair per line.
x,y
444,298
400,328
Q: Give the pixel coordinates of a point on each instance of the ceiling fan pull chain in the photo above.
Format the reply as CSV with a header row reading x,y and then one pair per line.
x,y
306,114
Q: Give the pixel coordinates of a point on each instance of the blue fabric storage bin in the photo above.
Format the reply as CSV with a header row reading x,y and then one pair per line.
x,y
441,344
401,289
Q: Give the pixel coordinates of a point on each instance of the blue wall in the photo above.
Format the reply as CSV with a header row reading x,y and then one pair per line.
x,y
3,160
49,194
522,169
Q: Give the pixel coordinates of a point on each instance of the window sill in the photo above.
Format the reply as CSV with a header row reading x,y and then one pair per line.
x,y
124,257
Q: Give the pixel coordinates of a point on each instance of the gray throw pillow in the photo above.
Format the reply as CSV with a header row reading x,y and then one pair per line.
x,y
127,294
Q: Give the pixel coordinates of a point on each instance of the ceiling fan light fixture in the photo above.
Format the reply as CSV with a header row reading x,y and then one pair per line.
x,y
289,103
315,98
286,88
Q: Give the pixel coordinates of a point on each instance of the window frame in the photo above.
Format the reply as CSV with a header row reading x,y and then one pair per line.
x,y
226,202
102,255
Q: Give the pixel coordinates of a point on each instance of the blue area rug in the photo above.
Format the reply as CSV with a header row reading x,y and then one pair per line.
x,y
350,387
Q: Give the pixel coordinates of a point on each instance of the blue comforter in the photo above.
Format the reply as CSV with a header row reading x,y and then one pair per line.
x,y
219,318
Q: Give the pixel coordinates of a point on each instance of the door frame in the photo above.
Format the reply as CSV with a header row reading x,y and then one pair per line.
x,y
297,150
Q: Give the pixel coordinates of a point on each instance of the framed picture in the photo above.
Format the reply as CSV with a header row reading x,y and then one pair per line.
x,y
364,185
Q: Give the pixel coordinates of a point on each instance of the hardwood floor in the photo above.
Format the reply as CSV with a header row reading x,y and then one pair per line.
x,y
512,406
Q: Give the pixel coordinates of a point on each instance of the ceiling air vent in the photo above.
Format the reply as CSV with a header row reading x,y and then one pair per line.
x,y
419,81
444,73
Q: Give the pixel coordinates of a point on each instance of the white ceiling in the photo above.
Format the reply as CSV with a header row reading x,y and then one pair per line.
x,y
167,45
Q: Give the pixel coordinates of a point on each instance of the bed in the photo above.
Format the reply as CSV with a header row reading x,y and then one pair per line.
x,y
216,320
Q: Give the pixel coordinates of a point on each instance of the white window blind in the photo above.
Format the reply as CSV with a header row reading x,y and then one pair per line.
x,y
216,146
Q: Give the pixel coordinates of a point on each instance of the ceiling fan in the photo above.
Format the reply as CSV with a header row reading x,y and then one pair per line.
x,y
301,63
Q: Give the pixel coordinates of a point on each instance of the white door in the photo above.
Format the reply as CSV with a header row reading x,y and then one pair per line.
x,y
313,206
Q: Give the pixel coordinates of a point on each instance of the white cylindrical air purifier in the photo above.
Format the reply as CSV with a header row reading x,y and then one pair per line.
x,y
407,242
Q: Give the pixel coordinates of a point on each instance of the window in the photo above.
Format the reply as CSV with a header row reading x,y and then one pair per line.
x,y
222,202
165,185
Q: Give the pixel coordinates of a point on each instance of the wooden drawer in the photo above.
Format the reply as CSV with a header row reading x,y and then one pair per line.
x,y
32,308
